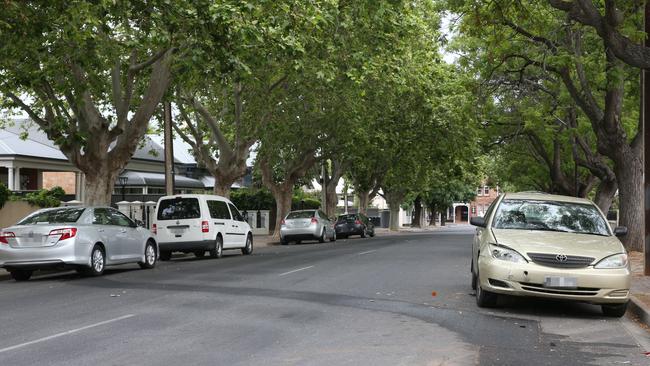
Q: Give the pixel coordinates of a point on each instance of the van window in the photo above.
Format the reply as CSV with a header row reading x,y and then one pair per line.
x,y
235,213
218,210
179,209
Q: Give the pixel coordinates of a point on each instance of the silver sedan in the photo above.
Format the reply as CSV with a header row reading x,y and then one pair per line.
x,y
85,238
306,225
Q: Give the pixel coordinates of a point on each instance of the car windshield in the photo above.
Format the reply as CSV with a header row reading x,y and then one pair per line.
x,y
179,209
53,216
300,215
550,216
349,218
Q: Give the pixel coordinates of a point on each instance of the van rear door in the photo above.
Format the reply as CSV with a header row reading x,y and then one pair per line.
x,y
179,219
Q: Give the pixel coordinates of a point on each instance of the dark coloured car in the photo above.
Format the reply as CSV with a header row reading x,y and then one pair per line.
x,y
354,224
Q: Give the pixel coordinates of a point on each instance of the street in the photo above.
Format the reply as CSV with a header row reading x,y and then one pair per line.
x,y
390,300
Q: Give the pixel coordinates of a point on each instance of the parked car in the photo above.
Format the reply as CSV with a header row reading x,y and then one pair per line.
x,y
196,223
354,224
306,225
85,238
533,244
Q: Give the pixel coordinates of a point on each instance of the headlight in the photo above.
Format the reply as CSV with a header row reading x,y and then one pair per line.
x,y
613,261
506,254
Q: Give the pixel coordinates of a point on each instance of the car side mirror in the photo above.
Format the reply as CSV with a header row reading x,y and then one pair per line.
x,y
139,223
620,231
478,221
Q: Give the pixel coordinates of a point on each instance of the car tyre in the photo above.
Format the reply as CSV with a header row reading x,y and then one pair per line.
x,y
21,274
372,233
484,299
199,253
217,251
150,256
474,279
165,255
614,311
333,238
284,241
321,239
97,262
248,249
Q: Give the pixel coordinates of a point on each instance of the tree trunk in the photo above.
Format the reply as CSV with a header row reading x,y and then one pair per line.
x,y
364,200
417,219
222,188
332,201
283,196
98,187
394,202
629,173
605,195
443,218
434,213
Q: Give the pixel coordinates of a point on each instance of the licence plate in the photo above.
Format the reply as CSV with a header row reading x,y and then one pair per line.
x,y
568,282
177,231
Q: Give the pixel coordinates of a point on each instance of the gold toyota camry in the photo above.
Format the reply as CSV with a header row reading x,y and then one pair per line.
x,y
536,244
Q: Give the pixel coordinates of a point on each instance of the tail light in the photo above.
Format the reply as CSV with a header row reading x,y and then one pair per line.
x,y
357,222
205,227
314,220
5,235
282,222
154,229
63,234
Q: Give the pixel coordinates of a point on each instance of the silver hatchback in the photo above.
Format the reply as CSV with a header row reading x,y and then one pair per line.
x,y
85,238
306,225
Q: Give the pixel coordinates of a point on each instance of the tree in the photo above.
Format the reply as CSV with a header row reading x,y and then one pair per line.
x,y
91,75
598,83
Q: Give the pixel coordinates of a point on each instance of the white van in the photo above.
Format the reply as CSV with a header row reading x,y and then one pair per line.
x,y
196,223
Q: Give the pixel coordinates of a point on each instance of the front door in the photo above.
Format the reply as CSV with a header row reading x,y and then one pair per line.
x,y
238,227
129,240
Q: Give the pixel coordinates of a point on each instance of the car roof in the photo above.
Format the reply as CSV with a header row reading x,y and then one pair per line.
x,y
206,196
542,196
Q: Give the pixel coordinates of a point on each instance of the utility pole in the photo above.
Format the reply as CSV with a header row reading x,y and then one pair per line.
x,y
169,148
645,118
323,185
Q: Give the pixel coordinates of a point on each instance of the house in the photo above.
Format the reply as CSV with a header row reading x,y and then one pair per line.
x,y
30,161
461,212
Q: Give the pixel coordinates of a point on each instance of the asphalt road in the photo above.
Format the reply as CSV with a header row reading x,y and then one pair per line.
x,y
353,302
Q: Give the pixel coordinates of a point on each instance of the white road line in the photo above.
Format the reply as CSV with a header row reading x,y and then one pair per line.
x,y
370,251
295,270
64,333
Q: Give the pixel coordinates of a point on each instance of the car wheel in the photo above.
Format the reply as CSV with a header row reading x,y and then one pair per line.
x,y
21,274
321,239
199,253
248,249
614,311
372,233
333,238
484,299
217,251
97,262
165,255
149,256
298,241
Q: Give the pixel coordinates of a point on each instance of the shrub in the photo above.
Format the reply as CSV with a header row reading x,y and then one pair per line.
x,y
46,198
4,195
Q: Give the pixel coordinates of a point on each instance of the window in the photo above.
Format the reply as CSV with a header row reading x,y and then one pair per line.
x,y
54,216
550,216
119,219
300,215
101,217
473,210
479,191
179,208
235,213
219,210
486,190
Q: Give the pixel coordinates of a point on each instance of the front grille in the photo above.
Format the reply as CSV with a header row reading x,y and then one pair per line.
x,y
580,291
551,260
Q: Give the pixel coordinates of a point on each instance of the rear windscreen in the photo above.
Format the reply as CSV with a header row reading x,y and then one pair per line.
x,y
179,209
300,215
348,218
55,216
